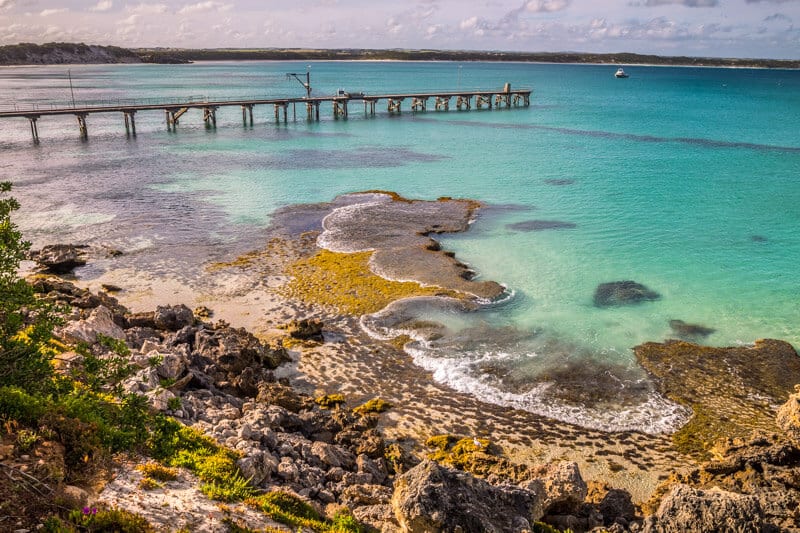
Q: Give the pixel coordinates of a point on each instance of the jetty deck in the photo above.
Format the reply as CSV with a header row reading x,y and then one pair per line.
x,y
341,103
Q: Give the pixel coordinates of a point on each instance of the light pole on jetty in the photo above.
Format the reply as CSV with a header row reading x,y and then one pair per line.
x,y
307,83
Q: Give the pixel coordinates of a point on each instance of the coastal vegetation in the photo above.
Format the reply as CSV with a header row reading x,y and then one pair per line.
x,y
61,53
85,412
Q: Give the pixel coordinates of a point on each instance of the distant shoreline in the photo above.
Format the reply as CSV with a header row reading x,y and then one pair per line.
x,y
79,53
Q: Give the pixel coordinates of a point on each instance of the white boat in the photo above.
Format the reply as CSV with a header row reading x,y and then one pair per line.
x,y
620,73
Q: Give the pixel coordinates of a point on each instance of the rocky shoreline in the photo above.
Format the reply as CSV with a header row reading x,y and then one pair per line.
x,y
278,404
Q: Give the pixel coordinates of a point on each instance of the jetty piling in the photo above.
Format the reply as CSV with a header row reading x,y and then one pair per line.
x,y
84,131
130,122
34,128
340,102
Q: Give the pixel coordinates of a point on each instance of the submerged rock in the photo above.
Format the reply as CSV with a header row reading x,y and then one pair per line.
x,y
690,331
617,293
539,225
59,258
430,497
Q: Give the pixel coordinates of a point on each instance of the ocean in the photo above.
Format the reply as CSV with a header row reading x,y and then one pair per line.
x,y
686,180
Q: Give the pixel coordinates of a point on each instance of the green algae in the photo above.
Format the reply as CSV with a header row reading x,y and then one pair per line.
x,y
345,284
330,401
375,405
474,455
731,391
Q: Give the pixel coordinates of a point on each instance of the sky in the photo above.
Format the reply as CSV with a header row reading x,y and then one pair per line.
x,y
712,28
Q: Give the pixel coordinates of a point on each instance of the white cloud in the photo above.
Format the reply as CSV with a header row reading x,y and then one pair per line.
x,y
200,7
468,24
778,17
5,4
130,21
393,26
49,12
102,5
687,3
147,9
546,6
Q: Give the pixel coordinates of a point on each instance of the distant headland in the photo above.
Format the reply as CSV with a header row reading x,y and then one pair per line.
x,y
77,53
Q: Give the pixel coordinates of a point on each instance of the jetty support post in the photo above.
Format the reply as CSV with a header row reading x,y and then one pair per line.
x,y
247,109
173,114
442,102
393,106
340,109
419,103
312,110
210,116
34,128
278,107
464,100
371,102
130,123
84,131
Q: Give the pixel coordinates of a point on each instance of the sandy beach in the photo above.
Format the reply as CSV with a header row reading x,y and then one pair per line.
x,y
251,291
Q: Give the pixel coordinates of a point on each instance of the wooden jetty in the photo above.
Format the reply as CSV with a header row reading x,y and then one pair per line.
x,y
341,103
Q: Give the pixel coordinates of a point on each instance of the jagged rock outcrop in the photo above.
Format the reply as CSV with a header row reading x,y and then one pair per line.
x,y
173,317
431,497
59,258
706,511
307,328
100,322
788,418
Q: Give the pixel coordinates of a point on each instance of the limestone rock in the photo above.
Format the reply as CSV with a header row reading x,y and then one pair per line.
x,y
172,365
617,504
72,496
701,511
59,258
258,467
331,455
307,328
173,317
280,395
100,322
618,293
564,488
430,497
788,418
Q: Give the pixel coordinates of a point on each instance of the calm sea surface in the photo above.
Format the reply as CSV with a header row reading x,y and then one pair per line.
x,y
686,180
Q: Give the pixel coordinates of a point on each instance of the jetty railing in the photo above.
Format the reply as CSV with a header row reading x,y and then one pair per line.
x,y
175,107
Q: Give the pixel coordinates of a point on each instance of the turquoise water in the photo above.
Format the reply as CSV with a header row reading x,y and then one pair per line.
x,y
686,180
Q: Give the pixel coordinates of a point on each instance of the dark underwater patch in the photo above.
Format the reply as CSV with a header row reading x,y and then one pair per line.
x,y
540,225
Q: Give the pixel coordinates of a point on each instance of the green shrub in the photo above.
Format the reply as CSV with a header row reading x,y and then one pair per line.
x,y
16,404
26,323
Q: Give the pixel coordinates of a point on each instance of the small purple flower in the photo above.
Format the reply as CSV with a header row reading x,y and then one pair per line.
x,y
86,510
